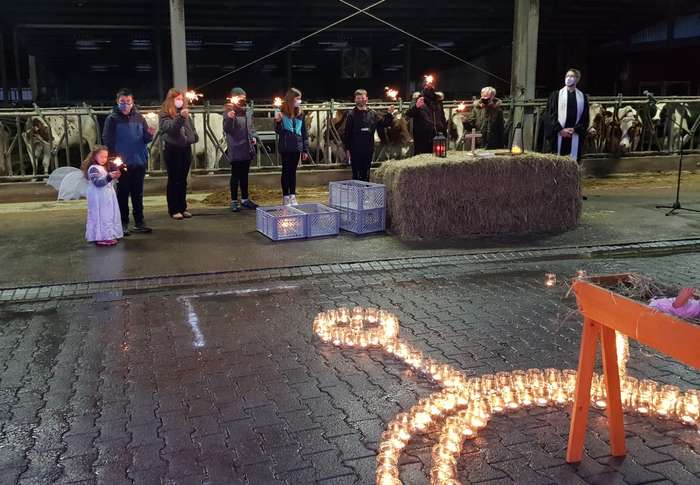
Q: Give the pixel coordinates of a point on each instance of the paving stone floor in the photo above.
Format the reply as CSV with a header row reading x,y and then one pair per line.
x,y
221,382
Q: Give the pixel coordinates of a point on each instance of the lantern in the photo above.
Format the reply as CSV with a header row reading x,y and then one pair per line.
x,y
517,146
440,146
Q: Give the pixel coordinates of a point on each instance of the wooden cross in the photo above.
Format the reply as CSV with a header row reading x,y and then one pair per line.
x,y
473,136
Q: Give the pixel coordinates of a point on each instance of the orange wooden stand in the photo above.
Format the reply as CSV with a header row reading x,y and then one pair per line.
x,y
605,311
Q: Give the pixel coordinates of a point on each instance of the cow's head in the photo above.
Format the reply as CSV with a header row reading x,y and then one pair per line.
x,y
38,130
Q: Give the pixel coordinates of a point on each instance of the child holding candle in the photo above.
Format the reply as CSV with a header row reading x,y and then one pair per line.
x,y
293,142
103,225
178,135
241,139
683,306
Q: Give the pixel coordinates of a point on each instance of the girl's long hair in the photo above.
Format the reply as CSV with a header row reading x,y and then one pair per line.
x,y
168,105
288,107
90,159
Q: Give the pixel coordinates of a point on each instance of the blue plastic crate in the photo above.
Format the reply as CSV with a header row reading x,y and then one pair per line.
x,y
280,223
321,220
357,195
362,221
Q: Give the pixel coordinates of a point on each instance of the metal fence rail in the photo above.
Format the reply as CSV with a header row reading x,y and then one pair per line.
x,y
35,141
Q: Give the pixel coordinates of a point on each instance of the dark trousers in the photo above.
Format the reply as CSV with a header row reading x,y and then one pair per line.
x,y
131,185
290,162
239,176
177,161
422,144
361,165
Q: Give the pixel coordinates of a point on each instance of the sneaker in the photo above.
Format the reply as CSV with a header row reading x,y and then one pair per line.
x,y
293,200
112,242
177,216
249,204
186,214
103,243
285,200
234,206
142,228
125,230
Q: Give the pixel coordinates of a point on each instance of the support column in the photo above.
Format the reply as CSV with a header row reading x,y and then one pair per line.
x,y
18,69
526,24
33,80
178,44
3,68
158,50
408,56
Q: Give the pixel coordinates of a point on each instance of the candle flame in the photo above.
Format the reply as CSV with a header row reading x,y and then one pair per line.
x,y
192,96
391,93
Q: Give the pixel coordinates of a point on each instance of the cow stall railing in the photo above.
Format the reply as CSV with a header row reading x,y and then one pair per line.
x,y
29,135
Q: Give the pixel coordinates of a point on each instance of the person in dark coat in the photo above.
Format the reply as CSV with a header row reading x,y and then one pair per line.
x,y
567,118
127,135
177,130
428,120
241,139
358,138
486,116
293,142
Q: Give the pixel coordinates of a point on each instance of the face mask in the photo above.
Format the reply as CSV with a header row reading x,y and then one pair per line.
x,y
178,103
297,103
123,106
569,81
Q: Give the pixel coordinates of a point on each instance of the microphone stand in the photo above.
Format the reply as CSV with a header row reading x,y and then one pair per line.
x,y
676,206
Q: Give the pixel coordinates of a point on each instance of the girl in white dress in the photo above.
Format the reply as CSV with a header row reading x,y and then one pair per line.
x,y
104,224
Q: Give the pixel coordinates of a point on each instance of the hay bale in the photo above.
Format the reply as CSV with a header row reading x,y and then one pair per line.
x,y
465,197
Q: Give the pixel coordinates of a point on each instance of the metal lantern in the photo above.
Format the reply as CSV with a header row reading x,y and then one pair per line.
x,y
516,147
440,146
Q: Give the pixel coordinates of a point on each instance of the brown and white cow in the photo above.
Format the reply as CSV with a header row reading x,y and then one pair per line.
x,y
45,135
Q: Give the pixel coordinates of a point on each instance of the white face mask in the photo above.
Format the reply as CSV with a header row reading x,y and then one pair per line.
x,y
297,103
570,81
179,103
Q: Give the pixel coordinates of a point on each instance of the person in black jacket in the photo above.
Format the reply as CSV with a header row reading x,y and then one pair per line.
x,y
179,135
293,142
567,118
428,120
241,139
358,138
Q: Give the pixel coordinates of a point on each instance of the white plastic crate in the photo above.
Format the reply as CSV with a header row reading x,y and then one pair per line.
x,y
281,222
321,220
357,195
362,221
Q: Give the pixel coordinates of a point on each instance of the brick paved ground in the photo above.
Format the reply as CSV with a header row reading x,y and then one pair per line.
x,y
224,383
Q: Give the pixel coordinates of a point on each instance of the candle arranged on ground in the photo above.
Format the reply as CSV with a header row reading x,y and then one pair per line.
x,y
550,279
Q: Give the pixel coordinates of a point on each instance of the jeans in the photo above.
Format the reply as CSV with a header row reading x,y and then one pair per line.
x,y
177,161
290,162
239,176
131,185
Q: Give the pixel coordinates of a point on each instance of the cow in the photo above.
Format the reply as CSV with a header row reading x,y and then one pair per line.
x,y
613,131
44,135
5,160
673,133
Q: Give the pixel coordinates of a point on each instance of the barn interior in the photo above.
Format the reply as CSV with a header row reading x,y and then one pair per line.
x,y
59,52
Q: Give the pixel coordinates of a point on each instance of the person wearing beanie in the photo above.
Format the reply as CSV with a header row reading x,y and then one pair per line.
x,y
241,139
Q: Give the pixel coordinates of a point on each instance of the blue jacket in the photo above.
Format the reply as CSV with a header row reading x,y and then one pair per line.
x,y
126,136
293,137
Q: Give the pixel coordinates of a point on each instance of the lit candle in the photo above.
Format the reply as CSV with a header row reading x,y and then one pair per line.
x,y
550,279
